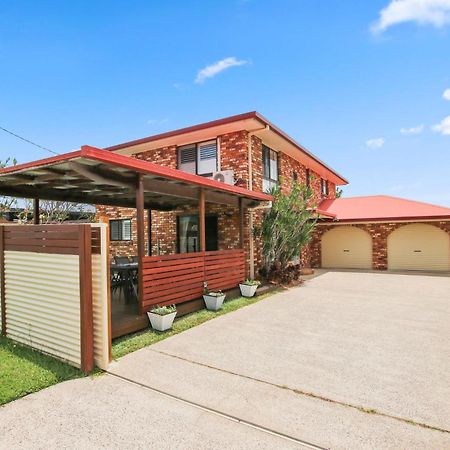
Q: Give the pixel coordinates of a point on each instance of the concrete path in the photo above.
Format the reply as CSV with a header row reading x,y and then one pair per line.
x,y
108,413
350,360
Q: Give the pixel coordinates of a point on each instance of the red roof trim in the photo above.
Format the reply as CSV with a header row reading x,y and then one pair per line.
x,y
155,169
393,219
224,121
41,162
325,213
298,145
144,167
384,208
190,129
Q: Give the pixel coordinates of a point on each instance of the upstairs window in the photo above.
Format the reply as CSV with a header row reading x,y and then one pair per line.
x,y
120,230
324,187
199,159
270,168
308,178
187,158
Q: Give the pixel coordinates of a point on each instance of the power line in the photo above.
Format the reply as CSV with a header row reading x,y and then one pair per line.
x,y
29,142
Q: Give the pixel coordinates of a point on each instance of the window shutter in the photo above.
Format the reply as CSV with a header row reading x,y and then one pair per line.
x,y
266,164
186,157
126,230
207,157
273,165
114,230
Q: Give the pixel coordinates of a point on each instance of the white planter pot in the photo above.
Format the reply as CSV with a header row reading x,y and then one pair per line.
x,y
161,323
213,302
248,290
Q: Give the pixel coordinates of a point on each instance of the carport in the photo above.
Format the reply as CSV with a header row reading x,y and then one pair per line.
x,y
96,176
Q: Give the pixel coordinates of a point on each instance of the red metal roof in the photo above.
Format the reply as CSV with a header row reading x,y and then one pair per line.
x,y
52,177
226,120
381,207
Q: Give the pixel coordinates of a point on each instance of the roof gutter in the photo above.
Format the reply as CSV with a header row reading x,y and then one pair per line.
x,y
249,115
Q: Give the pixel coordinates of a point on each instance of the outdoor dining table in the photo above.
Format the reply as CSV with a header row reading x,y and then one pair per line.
x,y
126,274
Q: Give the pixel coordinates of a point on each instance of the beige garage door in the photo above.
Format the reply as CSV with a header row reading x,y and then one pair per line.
x,y
419,247
347,248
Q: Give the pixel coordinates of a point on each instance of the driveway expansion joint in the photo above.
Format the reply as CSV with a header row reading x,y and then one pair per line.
x,y
360,408
230,417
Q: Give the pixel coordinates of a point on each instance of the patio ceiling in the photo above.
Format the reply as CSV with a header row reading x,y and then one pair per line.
x,y
100,177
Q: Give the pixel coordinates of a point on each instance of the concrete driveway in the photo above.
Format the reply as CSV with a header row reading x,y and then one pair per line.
x,y
349,360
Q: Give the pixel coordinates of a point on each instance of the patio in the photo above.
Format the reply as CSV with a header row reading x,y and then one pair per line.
x,y
98,177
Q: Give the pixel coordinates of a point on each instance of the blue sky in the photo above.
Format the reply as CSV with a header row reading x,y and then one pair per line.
x,y
335,75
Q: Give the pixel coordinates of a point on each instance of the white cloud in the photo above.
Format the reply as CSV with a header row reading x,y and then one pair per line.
x,y
375,143
443,127
219,66
157,121
412,130
446,94
423,12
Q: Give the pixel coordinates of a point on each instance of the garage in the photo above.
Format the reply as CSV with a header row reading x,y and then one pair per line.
x,y
419,247
346,247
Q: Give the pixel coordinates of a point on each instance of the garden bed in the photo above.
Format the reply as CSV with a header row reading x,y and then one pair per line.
x,y
130,343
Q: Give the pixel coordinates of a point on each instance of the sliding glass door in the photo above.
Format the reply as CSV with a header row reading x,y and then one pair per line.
x,y
188,233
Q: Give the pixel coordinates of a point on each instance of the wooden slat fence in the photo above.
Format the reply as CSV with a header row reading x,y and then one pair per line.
x,y
224,269
172,279
53,239
46,289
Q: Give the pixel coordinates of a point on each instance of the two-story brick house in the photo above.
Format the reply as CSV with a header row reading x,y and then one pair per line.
x,y
249,151
377,232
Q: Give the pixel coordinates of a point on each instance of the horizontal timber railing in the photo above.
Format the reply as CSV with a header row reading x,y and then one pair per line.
x,y
172,279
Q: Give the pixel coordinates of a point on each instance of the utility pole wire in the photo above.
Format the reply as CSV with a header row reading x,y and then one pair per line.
x,y
27,140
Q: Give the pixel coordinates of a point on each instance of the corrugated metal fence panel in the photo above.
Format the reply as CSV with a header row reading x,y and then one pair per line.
x,y
43,302
100,300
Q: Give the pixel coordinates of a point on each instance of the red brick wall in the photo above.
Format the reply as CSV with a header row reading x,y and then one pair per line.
x,y
119,248
164,228
379,233
233,155
257,166
166,156
287,167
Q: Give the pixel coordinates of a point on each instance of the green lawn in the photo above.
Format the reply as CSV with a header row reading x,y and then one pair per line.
x,y
133,342
23,370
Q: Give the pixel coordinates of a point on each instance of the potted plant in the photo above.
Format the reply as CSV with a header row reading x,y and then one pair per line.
x,y
248,287
213,300
161,317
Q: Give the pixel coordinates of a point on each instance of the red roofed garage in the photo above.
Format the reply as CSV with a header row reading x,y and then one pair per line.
x,y
382,232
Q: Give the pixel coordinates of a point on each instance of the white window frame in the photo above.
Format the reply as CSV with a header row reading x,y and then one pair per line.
x,y
122,232
324,187
269,181
198,161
